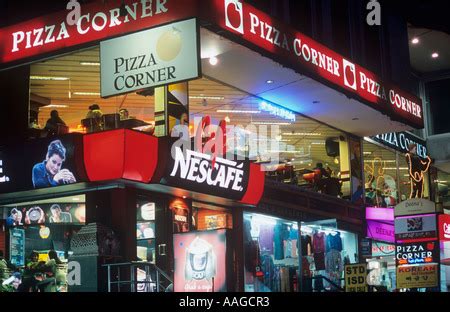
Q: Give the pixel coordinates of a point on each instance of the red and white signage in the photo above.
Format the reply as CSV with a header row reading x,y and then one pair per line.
x,y
303,53
444,227
101,20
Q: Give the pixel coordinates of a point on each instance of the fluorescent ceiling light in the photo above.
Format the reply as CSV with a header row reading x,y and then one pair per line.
x,y
435,55
385,161
54,78
86,93
235,111
55,106
90,63
302,133
395,168
201,97
271,123
318,143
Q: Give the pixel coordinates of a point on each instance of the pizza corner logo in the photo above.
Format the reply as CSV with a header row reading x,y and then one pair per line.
x,y
349,74
234,15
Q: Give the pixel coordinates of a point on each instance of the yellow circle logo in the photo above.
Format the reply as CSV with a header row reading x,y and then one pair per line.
x,y
169,45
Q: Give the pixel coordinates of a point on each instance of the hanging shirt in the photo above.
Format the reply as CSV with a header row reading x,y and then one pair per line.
x,y
319,242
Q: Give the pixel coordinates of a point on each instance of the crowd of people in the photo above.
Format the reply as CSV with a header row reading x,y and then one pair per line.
x,y
36,276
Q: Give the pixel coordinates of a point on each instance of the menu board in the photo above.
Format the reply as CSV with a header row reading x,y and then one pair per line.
x,y
17,246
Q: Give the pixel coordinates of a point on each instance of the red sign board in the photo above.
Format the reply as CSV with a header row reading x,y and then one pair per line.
x,y
303,53
101,20
444,227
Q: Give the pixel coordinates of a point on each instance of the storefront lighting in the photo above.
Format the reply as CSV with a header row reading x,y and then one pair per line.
x,y
206,97
87,93
213,60
317,143
384,161
227,119
435,55
269,81
235,111
277,111
49,78
367,153
302,133
415,40
90,63
395,168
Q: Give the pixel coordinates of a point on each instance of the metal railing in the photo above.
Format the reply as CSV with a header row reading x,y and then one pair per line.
x,y
137,277
334,287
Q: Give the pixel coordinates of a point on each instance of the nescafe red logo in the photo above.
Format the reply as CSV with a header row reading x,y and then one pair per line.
x,y
349,74
234,15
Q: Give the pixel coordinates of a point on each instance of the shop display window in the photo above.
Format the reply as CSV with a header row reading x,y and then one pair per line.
x,y
207,217
308,154
145,230
325,251
387,180
271,254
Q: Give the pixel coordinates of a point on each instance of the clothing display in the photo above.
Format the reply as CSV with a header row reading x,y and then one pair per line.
x,y
266,233
318,242
319,261
306,244
278,242
334,241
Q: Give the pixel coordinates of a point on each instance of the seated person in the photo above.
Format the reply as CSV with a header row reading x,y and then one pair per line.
x,y
52,123
95,114
323,172
123,112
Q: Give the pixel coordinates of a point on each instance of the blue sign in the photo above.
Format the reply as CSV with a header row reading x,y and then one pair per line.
x,y
17,246
277,111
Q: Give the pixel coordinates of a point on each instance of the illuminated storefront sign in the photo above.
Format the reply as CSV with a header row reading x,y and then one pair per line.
x,y
414,206
378,213
355,276
444,227
417,276
159,56
200,261
416,228
417,253
382,250
400,141
381,231
277,111
48,34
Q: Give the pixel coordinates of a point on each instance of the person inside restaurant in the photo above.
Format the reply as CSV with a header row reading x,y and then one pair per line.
x,y
93,121
55,124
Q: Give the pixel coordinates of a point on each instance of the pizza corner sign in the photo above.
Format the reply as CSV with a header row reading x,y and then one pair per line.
x,y
103,20
264,31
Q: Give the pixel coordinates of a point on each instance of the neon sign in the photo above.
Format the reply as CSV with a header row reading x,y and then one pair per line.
x,y
417,168
277,111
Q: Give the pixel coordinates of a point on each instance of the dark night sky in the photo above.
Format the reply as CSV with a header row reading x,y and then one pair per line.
x,y
439,96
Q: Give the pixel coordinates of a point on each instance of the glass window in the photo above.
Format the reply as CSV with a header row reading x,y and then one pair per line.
x,y
325,251
207,217
271,254
145,230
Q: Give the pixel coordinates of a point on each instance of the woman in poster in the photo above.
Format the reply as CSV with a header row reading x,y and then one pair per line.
x,y
49,172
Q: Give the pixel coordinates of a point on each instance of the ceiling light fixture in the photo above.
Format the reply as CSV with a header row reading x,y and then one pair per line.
x,y
87,93
269,81
201,97
55,106
264,123
435,55
213,60
90,63
415,40
302,133
235,111
52,78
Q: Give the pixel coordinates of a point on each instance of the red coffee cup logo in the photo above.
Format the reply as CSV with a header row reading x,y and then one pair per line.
x,y
234,15
349,74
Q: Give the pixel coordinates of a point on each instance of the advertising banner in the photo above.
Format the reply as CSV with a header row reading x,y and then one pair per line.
x,y
150,58
400,142
355,276
444,227
200,264
382,250
416,228
381,231
42,163
74,213
414,206
417,253
379,213
417,276
17,247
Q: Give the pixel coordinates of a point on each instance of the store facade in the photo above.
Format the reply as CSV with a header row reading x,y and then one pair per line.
x,y
170,210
